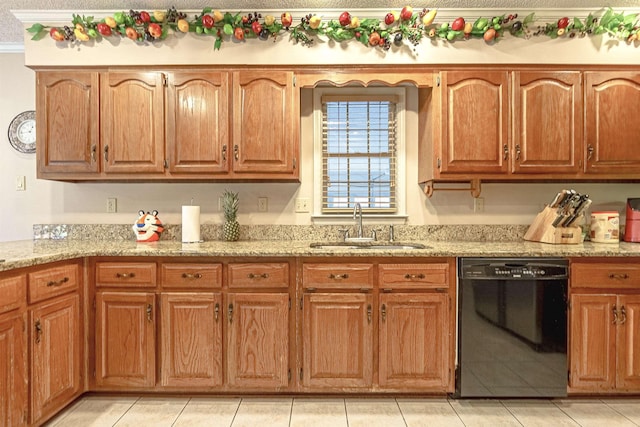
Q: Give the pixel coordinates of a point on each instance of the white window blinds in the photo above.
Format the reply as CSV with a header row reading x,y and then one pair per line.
x,y
359,153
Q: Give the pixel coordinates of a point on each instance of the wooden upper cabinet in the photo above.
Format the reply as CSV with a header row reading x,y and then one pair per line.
x,y
547,125
198,122
475,122
265,124
67,127
132,122
612,125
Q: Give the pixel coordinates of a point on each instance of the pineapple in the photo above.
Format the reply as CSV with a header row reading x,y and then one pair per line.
x,y
231,228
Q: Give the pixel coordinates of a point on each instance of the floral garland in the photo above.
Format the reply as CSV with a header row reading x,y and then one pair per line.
x,y
395,28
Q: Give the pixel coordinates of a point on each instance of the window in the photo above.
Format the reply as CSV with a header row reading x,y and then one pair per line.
x,y
358,150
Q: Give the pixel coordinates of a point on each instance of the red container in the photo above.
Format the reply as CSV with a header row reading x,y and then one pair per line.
x,y
632,224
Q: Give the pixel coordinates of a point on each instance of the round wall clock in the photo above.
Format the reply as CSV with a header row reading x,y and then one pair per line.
x,y
22,132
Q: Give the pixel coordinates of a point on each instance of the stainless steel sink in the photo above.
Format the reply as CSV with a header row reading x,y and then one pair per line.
x,y
369,245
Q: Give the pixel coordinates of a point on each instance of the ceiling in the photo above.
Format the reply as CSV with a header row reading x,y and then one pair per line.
x,y
11,31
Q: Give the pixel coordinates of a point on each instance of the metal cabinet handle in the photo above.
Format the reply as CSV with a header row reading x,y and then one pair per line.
x,y
125,275
191,276
369,312
614,310
338,276
623,314
38,327
149,313
590,151
505,149
224,152
216,310
258,276
230,313
517,151
414,276
236,154
58,282
619,276
106,153
93,153
383,312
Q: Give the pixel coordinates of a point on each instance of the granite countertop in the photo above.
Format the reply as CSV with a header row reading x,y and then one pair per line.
x,y
33,252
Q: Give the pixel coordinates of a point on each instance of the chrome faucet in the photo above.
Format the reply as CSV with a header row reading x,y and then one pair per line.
x,y
357,215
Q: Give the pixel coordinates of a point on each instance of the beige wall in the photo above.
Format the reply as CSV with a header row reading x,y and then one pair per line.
x,y
57,202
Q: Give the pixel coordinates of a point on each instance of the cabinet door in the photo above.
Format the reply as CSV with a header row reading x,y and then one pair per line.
x,y
337,336
13,372
475,122
132,122
265,124
414,341
628,343
125,339
593,342
191,339
547,125
258,340
67,122
55,355
612,124
198,122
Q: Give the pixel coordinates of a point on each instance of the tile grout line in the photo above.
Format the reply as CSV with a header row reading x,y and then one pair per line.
x,y
401,413
181,411
511,413
291,411
456,412
235,414
565,412
617,412
125,412
346,415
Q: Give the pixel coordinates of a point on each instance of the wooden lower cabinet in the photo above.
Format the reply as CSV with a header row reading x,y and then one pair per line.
x,y
257,340
13,370
605,343
414,341
191,339
337,334
125,340
55,355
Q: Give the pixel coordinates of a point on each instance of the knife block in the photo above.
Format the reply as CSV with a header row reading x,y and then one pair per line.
x,y
542,230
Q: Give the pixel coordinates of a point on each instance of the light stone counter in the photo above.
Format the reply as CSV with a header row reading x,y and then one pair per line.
x,y
27,253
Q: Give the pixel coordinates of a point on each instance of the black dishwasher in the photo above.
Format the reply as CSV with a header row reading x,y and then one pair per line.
x,y
512,327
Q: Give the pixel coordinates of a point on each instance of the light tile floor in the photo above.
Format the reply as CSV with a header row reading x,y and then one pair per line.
x,y
108,411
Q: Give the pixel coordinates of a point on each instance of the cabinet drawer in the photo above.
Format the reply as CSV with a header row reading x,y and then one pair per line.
x,y
12,292
413,276
605,275
53,281
126,274
337,276
252,275
182,275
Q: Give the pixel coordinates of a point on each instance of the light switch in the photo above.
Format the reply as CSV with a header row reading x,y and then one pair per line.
x,y
21,183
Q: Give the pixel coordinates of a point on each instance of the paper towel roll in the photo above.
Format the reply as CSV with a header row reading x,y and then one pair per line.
x,y
190,224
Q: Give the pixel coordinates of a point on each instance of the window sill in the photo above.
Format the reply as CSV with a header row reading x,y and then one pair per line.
x,y
366,219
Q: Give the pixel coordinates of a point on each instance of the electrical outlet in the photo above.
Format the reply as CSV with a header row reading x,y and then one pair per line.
x,y
302,205
112,205
21,183
478,204
263,204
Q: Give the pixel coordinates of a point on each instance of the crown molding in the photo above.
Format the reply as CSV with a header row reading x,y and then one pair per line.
x,y
31,16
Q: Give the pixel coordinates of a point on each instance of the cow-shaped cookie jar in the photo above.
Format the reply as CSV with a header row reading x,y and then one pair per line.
x,y
148,227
